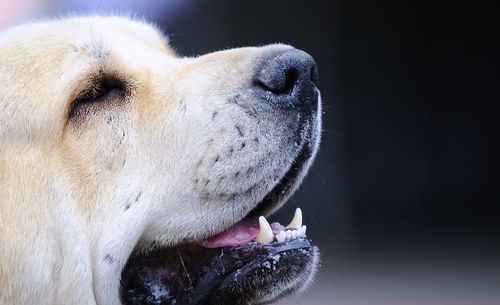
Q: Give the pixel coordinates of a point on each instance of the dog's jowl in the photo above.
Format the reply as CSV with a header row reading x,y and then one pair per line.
x,y
132,175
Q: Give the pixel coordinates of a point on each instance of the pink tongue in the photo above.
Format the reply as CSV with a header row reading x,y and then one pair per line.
x,y
240,233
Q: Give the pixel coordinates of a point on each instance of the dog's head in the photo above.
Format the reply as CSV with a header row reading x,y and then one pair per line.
x,y
156,151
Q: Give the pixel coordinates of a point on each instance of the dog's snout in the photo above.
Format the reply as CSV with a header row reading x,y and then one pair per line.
x,y
288,79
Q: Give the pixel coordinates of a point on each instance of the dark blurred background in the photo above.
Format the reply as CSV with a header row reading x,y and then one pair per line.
x,y
403,199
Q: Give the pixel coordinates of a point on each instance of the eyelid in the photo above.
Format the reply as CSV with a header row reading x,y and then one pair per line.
x,y
96,92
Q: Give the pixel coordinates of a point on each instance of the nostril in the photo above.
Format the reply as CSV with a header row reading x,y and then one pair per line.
x,y
280,83
291,78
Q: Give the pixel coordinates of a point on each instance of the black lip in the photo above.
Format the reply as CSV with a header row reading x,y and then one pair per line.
x,y
191,274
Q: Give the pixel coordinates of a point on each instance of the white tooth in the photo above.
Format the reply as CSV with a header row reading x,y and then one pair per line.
x,y
294,234
281,236
304,228
296,221
288,234
266,235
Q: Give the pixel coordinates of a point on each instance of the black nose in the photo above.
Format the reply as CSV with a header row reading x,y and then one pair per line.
x,y
288,79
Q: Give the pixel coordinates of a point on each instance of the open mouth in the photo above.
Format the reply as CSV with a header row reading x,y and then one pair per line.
x,y
252,262
246,262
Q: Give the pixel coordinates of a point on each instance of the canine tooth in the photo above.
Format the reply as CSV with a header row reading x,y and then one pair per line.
x,y
281,236
296,221
266,235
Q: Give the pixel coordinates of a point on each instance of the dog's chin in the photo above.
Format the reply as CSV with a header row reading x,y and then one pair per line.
x,y
248,272
252,273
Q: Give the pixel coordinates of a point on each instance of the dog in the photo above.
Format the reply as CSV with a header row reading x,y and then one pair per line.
x,y
115,151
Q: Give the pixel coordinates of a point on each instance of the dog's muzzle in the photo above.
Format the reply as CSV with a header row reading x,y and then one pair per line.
x,y
252,262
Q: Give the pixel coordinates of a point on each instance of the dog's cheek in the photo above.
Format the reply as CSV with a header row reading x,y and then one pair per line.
x,y
100,143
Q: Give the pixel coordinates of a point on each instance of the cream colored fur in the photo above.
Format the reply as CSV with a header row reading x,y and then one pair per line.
x,y
78,194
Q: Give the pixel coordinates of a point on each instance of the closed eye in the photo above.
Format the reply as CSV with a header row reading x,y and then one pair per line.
x,y
102,92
